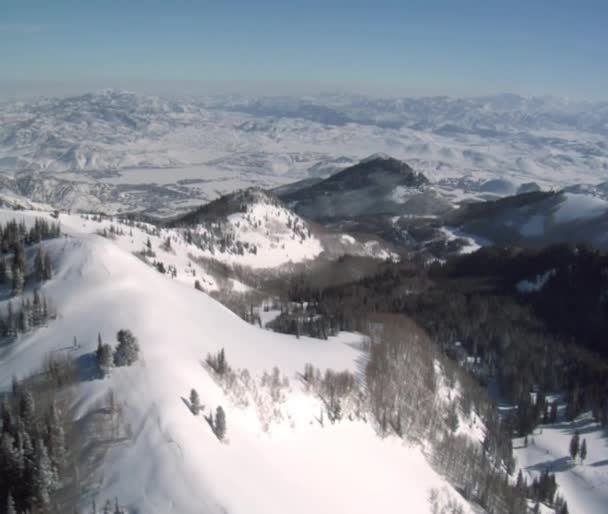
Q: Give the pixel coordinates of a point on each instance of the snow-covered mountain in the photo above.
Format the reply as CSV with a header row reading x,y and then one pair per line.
x,y
483,116
378,185
167,155
252,228
538,219
277,456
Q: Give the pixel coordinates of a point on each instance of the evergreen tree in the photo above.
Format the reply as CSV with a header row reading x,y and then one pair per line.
x,y
40,263
10,505
583,451
27,408
105,359
37,314
24,317
44,476
574,445
127,350
18,281
56,438
48,268
195,402
11,326
220,423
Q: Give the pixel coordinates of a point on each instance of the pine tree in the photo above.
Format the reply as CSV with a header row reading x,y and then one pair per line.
x,y
520,480
39,263
220,423
24,317
10,505
105,359
574,445
56,438
583,451
18,281
107,508
44,475
48,267
27,408
11,326
127,351
195,402
37,315
99,345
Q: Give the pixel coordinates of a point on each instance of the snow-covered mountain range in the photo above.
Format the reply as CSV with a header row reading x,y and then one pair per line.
x,y
242,197
125,151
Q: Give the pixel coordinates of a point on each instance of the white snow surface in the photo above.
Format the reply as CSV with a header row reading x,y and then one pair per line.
x,y
105,150
579,206
533,286
171,462
584,486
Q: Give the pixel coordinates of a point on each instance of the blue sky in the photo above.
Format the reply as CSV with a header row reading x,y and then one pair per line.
x,y
418,47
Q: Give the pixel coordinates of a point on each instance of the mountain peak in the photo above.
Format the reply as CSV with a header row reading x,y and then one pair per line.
x,y
379,168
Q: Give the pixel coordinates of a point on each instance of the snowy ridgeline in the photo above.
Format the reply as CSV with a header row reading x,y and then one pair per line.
x,y
265,236
284,449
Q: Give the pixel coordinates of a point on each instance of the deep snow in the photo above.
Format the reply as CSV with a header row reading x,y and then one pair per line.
x,y
170,461
583,485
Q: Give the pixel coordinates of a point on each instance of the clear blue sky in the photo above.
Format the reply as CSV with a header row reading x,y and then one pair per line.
x,y
454,47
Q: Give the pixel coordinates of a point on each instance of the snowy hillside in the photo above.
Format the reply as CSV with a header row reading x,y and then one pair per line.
x,y
583,484
278,457
538,219
252,228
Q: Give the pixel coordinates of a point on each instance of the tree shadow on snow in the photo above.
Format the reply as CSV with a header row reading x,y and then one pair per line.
x,y
600,463
88,369
187,404
584,426
553,466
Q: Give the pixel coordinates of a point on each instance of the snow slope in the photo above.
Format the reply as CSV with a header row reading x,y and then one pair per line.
x,y
584,486
169,461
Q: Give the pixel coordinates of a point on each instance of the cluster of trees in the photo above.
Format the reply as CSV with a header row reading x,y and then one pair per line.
x,y
477,474
126,352
14,271
217,423
305,320
112,232
578,448
543,489
472,310
338,390
405,398
14,232
33,312
217,362
171,270
109,507
34,422
214,236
